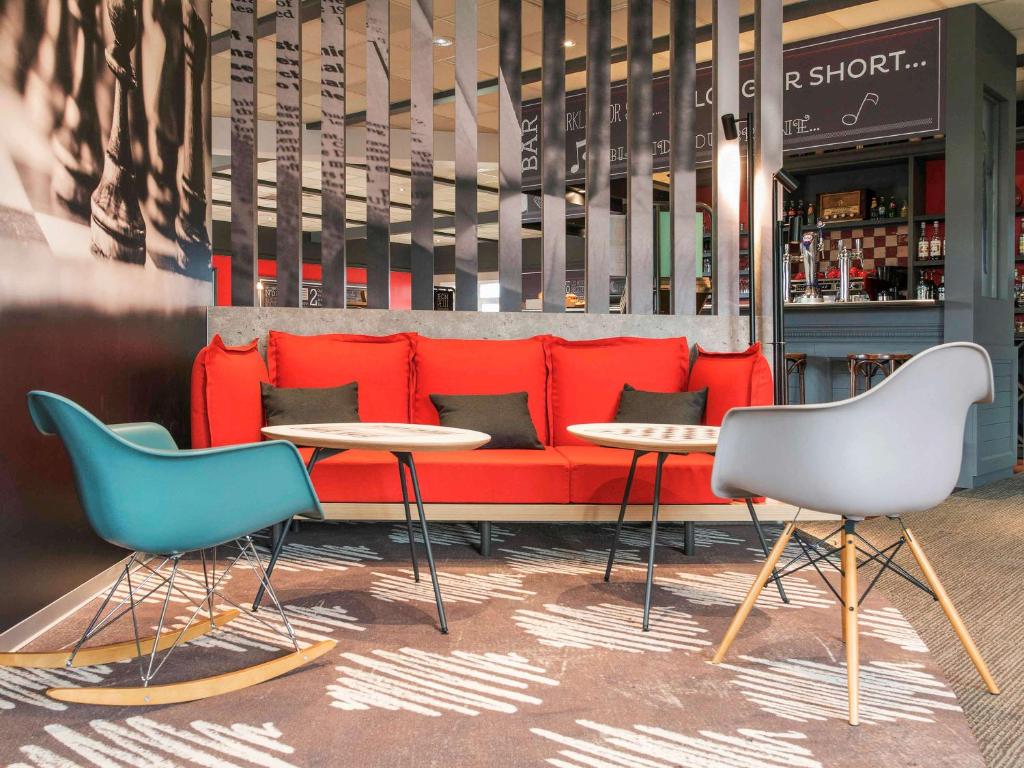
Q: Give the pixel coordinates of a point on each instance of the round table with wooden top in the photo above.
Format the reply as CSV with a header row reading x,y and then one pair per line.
x,y
665,440
400,440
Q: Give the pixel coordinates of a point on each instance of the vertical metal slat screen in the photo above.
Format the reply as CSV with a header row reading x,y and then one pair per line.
x,y
465,156
598,159
725,169
378,156
243,153
510,156
683,176
332,150
640,221
553,155
421,151
289,153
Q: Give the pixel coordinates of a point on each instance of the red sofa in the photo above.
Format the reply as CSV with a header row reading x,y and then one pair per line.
x,y
567,382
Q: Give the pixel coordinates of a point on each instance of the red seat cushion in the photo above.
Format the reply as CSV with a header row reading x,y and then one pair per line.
x,y
509,476
382,365
733,379
226,403
586,377
480,367
598,476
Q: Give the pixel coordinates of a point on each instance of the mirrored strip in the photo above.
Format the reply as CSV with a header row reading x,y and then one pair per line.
x,y
466,260
553,155
598,158
243,153
421,149
640,211
289,153
378,157
510,157
332,150
683,175
768,94
725,166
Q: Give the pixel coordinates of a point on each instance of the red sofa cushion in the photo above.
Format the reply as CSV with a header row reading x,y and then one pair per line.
x,y
586,377
381,364
480,367
598,476
733,379
540,477
226,403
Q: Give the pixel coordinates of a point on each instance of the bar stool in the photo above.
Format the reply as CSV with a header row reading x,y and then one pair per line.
x,y
796,364
871,365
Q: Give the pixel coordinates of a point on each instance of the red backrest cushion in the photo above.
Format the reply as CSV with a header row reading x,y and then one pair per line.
x,y
733,379
381,364
586,377
226,403
480,367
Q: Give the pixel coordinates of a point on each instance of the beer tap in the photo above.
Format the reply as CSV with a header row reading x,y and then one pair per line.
x,y
845,263
809,245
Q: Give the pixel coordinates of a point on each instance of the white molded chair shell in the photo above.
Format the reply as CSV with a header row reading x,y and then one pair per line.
x,y
897,448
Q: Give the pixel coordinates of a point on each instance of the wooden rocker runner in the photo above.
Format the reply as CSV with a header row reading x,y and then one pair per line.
x,y
141,493
832,458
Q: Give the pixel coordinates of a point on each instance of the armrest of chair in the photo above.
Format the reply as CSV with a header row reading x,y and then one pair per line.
x,y
788,453
145,434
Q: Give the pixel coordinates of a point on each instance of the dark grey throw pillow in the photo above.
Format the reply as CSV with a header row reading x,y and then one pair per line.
x,y
638,407
310,405
506,418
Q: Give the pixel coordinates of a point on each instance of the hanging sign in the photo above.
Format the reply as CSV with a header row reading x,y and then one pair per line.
x,y
865,86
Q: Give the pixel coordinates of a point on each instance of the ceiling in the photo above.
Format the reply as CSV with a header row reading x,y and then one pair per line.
x,y
1009,13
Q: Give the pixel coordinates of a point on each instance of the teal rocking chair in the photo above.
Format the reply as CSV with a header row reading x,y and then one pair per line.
x,y
141,493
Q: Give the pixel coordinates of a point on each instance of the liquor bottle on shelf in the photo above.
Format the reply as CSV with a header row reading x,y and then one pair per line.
x,y
903,210
922,244
942,287
882,208
790,210
892,208
800,210
935,244
943,242
810,212
872,211
1020,242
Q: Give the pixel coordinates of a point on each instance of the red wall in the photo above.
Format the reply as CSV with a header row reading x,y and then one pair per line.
x,y
401,282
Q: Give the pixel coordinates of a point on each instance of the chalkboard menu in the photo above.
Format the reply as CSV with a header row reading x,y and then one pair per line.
x,y
864,86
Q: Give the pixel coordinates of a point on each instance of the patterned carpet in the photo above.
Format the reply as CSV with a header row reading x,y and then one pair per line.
x,y
545,666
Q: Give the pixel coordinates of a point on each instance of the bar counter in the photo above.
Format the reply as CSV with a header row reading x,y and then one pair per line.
x,y
830,331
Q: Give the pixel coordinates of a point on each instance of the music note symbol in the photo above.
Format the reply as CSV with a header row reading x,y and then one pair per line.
x,y
852,118
575,167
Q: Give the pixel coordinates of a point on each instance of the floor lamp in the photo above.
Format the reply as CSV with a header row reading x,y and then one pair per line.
x,y
779,179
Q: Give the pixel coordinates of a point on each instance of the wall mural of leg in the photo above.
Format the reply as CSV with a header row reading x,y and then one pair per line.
x,y
190,228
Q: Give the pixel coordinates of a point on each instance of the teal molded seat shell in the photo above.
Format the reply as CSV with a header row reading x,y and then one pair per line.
x,y
141,492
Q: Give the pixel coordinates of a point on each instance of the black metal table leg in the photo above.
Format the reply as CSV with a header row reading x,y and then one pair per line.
x,y
408,522
765,548
654,537
689,538
485,538
622,513
406,458
280,534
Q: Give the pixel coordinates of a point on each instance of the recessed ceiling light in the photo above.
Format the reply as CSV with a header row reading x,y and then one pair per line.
x,y
443,42
570,43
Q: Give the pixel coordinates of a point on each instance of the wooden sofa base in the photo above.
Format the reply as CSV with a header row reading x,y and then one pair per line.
x,y
769,511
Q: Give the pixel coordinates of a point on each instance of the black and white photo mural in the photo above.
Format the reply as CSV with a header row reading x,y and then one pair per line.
x,y
104,151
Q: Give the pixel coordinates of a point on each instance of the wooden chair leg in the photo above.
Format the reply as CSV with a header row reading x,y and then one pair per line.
x,y
850,608
755,589
951,612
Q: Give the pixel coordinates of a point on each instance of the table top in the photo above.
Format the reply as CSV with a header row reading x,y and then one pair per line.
x,y
664,438
377,436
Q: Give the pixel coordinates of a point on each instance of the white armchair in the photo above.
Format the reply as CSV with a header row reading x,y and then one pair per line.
x,y
895,449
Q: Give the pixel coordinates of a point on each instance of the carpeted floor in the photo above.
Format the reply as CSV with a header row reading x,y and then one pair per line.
x,y
975,542
545,665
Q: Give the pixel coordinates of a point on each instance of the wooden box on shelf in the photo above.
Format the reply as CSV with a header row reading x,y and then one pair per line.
x,y
842,206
